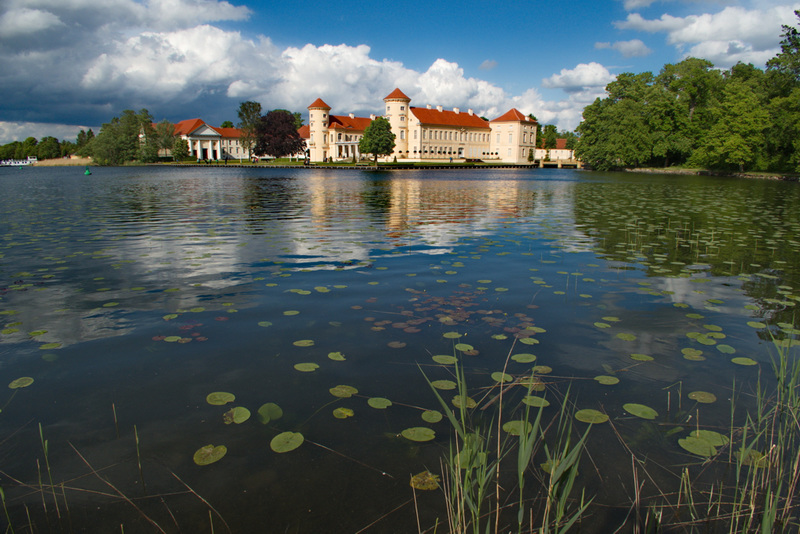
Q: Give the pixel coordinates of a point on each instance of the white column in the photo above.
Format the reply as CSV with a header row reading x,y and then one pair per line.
x,y
219,149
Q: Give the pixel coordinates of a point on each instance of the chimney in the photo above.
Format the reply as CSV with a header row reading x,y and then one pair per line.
x,y
429,106
438,108
352,116
469,111
456,110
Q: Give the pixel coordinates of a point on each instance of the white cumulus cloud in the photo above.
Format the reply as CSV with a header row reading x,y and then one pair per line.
x,y
731,35
632,48
581,77
23,21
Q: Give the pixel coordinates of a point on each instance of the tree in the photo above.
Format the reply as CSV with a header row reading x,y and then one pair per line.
x,y
277,136
549,136
126,138
226,124
378,139
249,117
48,148
180,149
737,137
788,60
165,135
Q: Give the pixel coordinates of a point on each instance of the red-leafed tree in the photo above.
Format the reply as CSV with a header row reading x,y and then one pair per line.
x,y
276,135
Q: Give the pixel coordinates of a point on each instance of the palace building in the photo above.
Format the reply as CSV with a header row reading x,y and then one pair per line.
x,y
422,134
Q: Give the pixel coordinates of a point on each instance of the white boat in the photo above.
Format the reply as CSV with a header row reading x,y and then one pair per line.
x,y
18,162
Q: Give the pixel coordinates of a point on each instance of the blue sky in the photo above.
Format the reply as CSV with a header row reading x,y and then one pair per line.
x,y
72,64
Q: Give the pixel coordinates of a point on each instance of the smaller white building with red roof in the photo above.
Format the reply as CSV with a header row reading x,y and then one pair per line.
x,y
423,134
211,142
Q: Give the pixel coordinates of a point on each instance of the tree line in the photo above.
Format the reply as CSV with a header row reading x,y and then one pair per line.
x,y
694,115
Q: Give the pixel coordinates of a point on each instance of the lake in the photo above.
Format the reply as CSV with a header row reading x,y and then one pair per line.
x,y
129,297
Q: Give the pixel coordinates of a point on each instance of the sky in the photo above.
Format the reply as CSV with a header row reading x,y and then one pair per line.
x,y
67,65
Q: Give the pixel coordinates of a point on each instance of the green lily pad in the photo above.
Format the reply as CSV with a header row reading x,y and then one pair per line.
x,y
172,339
218,398
714,438
529,341
343,392
306,367
343,413
236,415
425,481
641,357
756,324
516,428
589,415
599,324
49,346
607,380
464,347
692,354
379,403
536,402
264,324
444,384
703,397
524,357
499,376
469,401
286,441
209,454
726,349
742,360
640,410
698,446
304,343
269,412
336,356
451,335
444,359
418,433
432,416
21,382
626,336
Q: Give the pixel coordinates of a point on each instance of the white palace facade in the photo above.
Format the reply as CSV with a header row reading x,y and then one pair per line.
x,y
422,134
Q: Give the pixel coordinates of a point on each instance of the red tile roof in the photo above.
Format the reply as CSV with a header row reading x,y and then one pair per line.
x,y
304,131
188,126
229,132
513,115
561,144
346,122
397,94
319,103
448,118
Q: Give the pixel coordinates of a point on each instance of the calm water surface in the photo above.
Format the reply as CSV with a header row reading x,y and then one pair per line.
x,y
130,295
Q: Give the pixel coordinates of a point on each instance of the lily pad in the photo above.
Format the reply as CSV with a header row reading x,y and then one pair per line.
x,y
306,367
451,335
470,402
343,392
286,441
236,415
529,341
524,357
304,343
640,410
464,347
589,415
336,356
726,349
218,398
698,446
714,438
607,380
21,382
379,403
426,481
444,384
499,376
692,354
516,428
432,416
626,336
418,433
444,359
641,357
742,360
703,397
536,402
343,413
209,454
269,412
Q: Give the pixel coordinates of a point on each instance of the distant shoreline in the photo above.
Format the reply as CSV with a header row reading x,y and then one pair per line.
x,y
63,162
705,172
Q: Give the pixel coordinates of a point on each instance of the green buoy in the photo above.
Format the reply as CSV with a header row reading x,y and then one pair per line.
x,y
87,172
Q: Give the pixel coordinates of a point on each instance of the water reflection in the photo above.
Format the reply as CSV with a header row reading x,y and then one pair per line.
x,y
150,288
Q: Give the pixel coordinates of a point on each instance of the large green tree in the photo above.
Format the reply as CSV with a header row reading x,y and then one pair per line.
x,y
277,136
180,149
788,60
249,116
130,137
378,139
165,135
48,148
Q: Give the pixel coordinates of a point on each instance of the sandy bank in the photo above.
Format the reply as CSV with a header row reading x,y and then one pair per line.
x,y
62,162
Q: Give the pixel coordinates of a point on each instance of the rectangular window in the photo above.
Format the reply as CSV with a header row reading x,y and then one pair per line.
x,y
402,118
510,138
498,139
415,135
